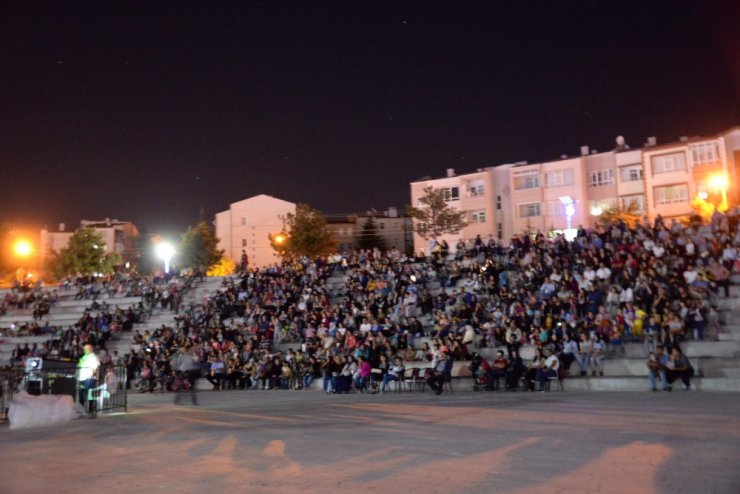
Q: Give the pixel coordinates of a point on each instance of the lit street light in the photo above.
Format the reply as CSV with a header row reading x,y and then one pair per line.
x,y
165,251
720,183
23,248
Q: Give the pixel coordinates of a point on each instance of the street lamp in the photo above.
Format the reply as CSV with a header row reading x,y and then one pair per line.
x,y
165,251
720,183
22,248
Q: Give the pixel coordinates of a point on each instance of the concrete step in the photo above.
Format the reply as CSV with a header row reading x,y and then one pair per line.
x,y
632,384
729,336
112,302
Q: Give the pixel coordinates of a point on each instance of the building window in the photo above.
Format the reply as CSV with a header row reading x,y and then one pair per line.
x,y
600,178
555,208
498,202
637,199
245,220
500,230
382,226
529,210
527,182
477,188
560,178
631,173
451,193
244,242
478,216
671,194
705,153
669,163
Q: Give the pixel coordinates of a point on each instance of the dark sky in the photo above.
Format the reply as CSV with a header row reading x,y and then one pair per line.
x,y
149,111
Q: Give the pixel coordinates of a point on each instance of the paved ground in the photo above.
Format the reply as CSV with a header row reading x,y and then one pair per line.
x,y
285,442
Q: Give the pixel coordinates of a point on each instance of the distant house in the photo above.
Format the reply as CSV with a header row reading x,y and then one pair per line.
x,y
121,237
245,226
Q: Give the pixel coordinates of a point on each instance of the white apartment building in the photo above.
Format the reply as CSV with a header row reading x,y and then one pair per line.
x,y
512,199
675,173
245,226
471,192
542,195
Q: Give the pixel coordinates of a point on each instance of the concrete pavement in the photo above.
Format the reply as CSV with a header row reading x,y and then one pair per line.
x,y
282,441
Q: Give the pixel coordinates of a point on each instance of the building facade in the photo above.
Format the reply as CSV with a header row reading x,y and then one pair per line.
x,y
245,226
390,226
513,199
121,237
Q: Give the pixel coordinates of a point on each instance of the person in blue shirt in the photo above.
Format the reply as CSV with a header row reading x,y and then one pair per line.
x,y
657,369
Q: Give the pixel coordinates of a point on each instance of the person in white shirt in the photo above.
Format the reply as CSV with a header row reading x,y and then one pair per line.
x,y
589,274
690,274
627,295
549,368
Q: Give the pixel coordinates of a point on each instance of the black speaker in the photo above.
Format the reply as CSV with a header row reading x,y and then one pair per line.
x,y
33,387
62,386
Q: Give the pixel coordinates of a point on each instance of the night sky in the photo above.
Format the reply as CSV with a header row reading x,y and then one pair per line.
x,y
148,111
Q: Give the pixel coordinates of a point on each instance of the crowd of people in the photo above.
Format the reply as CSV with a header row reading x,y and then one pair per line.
x,y
579,301
101,320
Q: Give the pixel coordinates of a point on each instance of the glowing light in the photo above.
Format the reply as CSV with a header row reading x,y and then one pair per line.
x,y
570,210
166,252
23,248
703,196
597,211
280,239
718,182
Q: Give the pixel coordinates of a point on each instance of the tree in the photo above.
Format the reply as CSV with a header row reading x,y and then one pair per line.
x,y
369,238
85,254
306,235
199,247
435,217
629,215
703,208
225,267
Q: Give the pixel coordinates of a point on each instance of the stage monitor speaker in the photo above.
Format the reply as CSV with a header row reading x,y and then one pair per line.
x,y
61,386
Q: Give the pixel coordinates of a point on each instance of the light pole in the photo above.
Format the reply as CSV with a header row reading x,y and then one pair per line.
x,y
165,251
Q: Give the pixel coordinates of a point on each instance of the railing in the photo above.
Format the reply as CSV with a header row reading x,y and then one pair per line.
x,y
109,392
106,392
